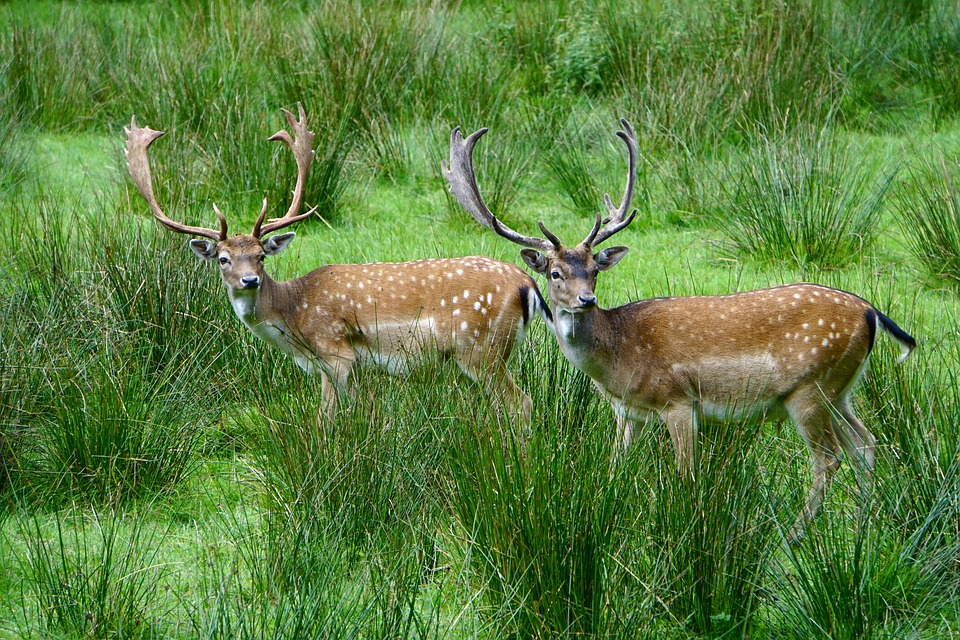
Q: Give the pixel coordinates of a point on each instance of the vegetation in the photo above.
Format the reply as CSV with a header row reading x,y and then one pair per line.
x,y
164,475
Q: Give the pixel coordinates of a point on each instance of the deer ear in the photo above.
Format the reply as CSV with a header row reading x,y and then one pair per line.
x,y
534,259
609,257
204,249
275,244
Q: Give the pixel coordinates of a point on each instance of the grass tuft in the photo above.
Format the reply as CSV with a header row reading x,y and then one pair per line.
x,y
806,200
930,218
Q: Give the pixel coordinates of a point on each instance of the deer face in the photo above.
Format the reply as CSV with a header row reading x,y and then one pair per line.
x,y
241,258
572,273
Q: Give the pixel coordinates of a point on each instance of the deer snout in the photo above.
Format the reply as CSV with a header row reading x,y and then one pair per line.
x,y
587,300
250,282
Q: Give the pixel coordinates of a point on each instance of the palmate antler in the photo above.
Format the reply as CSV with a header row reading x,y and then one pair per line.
x,y
463,184
139,140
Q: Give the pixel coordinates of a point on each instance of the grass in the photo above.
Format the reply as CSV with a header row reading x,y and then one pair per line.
x,y
930,214
805,200
164,475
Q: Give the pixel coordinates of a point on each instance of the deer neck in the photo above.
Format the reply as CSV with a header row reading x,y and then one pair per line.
x,y
265,310
581,339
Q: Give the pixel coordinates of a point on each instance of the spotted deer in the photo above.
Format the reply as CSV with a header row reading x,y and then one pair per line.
x,y
473,309
791,351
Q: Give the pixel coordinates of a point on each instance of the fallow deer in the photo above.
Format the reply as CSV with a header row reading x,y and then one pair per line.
x,y
473,309
790,351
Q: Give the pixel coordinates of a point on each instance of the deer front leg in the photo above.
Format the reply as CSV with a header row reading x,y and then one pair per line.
x,y
335,374
681,423
625,428
500,386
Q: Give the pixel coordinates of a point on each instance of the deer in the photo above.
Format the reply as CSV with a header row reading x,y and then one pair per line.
x,y
474,310
794,351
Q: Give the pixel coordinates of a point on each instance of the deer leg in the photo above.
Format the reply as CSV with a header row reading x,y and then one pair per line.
x,y
859,444
335,375
625,428
815,424
499,384
683,431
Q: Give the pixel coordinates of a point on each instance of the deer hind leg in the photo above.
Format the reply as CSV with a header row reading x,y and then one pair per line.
x,y
814,422
858,442
859,445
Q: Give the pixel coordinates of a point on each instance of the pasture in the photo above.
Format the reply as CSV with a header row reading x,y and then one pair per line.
x,y
163,473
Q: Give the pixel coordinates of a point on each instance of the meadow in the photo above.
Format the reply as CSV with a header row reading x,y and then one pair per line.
x,y
163,474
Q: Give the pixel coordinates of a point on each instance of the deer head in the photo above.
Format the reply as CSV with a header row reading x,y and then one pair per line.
x,y
571,272
241,256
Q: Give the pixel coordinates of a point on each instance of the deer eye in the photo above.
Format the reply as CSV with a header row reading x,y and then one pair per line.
x,y
555,274
224,260
261,257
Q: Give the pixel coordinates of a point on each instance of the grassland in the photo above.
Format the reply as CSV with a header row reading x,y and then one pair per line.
x,y
163,475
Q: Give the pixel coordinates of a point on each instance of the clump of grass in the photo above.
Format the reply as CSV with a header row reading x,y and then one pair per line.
x,y
14,154
107,355
319,591
336,552
565,153
387,148
367,465
860,580
543,518
578,57
930,215
804,200
713,74
159,295
91,579
938,66
711,536
113,437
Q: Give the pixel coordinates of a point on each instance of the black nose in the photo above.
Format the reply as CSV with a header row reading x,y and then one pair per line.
x,y
250,282
587,299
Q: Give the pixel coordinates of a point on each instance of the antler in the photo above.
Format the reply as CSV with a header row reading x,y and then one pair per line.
x,y
463,184
617,221
301,144
138,139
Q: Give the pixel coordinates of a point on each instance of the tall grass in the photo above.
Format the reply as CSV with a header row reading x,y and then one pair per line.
x,y
114,437
545,519
89,579
103,365
565,155
930,214
805,200
710,537
416,511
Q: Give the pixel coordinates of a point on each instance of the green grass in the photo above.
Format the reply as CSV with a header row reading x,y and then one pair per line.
x,y
807,200
163,474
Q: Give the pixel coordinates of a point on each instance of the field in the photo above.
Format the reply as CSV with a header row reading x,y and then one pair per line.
x,y
163,474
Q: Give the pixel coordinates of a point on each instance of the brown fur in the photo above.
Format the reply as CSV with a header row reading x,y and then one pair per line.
x,y
471,309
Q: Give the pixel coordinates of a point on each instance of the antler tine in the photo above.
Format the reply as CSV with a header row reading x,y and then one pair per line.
x,y
463,185
138,140
301,144
618,219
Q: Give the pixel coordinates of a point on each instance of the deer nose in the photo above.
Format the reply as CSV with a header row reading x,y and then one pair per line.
x,y
587,300
250,282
